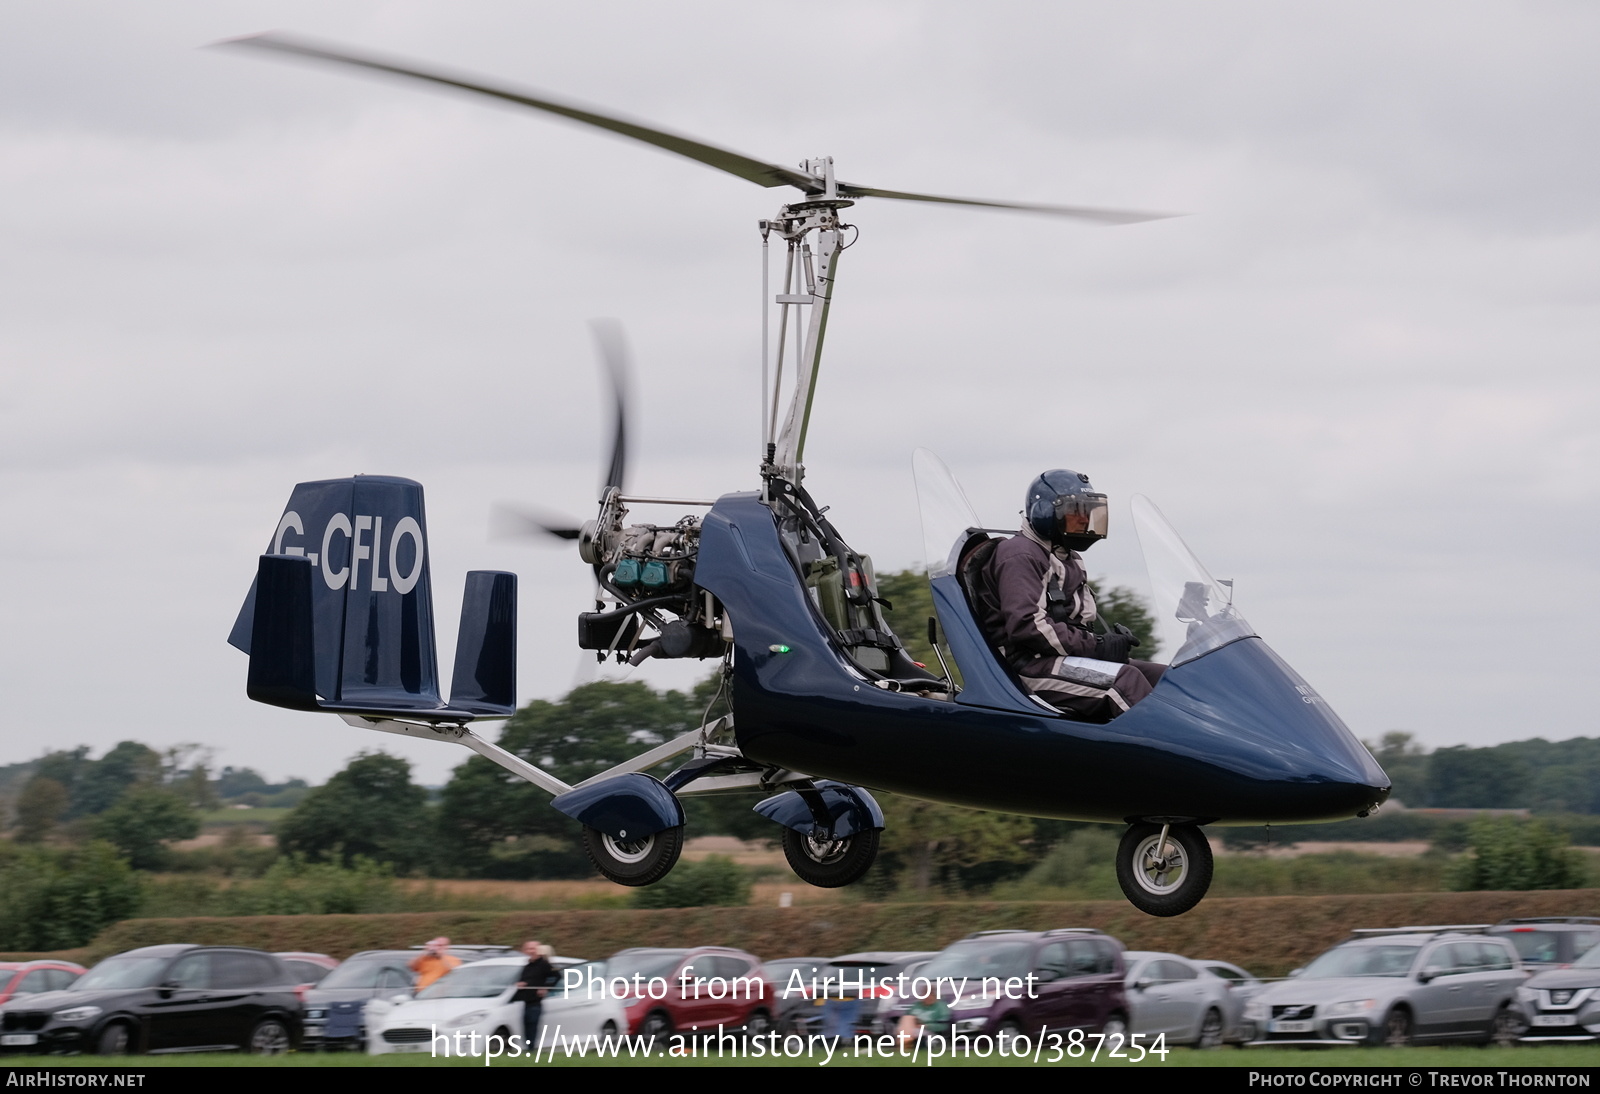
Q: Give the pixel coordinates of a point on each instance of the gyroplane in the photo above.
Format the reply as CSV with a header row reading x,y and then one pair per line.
x,y
826,705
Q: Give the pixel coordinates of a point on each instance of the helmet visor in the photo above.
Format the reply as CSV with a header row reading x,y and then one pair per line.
x,y
1082,515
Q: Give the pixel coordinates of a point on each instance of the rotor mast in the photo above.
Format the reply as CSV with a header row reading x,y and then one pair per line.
x,y
810,268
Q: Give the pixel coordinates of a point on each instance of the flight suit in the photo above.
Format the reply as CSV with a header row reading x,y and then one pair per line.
x,y
1045,614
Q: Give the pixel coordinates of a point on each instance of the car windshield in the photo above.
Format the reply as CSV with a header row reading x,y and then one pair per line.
x,y
5,978
1590,960
362,974
1540,946
1387,960
473,982
644,963
976,960
123,972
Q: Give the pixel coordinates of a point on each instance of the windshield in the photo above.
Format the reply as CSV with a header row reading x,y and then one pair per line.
x,y
1194,611
123,972
646,963
473,982
976,960
946,512
363,974
1392,960
5,978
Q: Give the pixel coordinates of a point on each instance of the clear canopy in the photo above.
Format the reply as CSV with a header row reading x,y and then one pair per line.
x,y
1194,612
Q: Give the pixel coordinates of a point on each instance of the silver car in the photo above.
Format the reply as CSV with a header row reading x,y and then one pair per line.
x,y
1409,986
1176,997
1564,1004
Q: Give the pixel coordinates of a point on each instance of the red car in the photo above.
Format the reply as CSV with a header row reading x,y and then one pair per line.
x,y
32,977
704,990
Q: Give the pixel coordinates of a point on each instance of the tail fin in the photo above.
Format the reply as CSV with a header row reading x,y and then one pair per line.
x,y
340,617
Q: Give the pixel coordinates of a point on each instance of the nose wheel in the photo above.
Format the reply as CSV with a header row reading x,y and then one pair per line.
x,y
1164,869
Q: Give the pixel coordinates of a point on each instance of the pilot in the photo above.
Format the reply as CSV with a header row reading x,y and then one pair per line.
x,y
1041,612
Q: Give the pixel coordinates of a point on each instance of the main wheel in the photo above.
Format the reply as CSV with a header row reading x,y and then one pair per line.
x,y
826,863
634,861
1164,879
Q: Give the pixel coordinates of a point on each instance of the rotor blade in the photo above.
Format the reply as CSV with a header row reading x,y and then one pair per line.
x,y
521,522
762,174
1080,212
614,356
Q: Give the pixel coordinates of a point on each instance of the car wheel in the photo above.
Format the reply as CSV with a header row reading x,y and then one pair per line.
x,y
1397,1028
657,1025
1210,1030
830,863
758,1025
1506,1028
1164,877
641,860
115,1040
608,1030
269,1038
1116,1026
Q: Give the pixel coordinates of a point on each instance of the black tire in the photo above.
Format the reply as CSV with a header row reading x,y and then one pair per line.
x,y
1505,1030
1116,1026
1211,1030
759,1024
830,864
609,1029
269,1038
1396,1032
115,1040
656,1024
634,861
1169,885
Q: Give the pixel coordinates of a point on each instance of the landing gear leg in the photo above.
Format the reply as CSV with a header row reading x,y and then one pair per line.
x,y
1164,869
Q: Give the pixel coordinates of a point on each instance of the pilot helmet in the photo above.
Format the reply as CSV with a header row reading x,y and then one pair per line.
x,y
1065,511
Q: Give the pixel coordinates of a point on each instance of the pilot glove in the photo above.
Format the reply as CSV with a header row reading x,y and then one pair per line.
x,y
1112,647
1122,629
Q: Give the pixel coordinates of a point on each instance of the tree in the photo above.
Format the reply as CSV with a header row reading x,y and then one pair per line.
x,y
55,899
39,808
932,841
1478,778
1508,853
370,809
144,821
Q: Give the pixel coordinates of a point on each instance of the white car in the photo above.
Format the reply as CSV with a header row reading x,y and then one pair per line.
x,y
1172,995
456,1014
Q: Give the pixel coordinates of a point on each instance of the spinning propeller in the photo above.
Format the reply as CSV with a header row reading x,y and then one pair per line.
x,y
818,183
509,521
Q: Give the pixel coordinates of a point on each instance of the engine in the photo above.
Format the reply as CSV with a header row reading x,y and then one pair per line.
x,y
649,606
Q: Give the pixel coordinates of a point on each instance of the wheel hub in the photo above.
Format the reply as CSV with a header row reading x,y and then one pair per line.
x,y
629,850
1160,873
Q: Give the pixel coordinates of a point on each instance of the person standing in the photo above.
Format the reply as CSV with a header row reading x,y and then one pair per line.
x,y
537,977
433,962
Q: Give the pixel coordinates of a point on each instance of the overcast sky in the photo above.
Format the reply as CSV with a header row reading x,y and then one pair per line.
x,y
1359,378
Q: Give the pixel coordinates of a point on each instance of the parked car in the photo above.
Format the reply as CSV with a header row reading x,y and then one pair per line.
x,y
311,968
478,998
792,1010
707,988
1549,942
1242,987
473,1001
1077,982
1176,998
1396,987
336,1008
19,978
171,998
1563,1004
